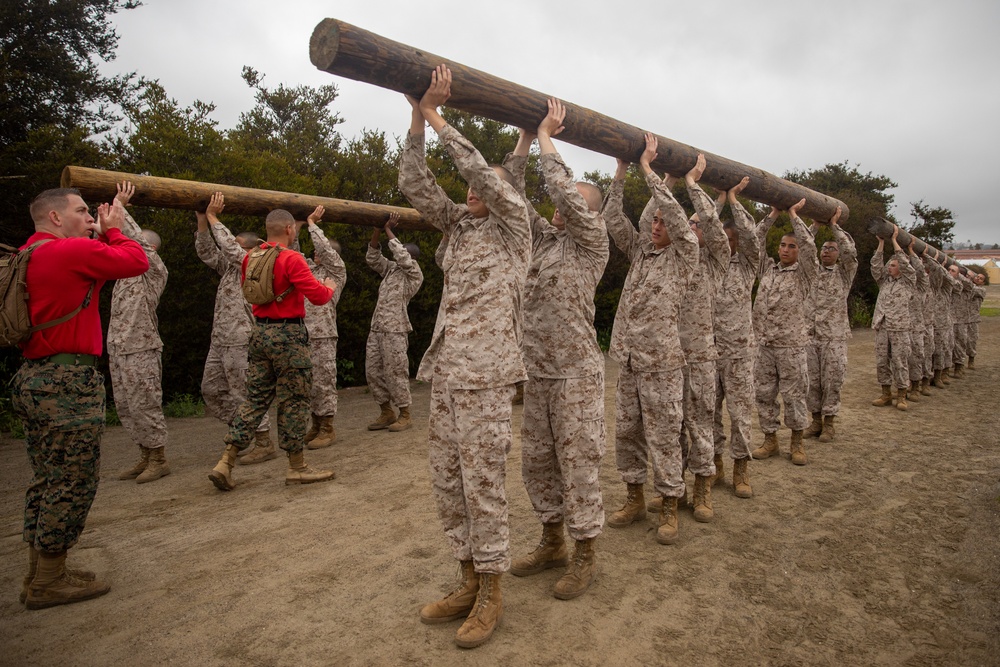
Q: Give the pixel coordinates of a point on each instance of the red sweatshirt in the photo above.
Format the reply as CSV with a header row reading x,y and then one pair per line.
x,y
290,268
59,274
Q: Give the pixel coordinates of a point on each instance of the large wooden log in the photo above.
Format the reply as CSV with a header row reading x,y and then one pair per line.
x,y
882,228
346,50
100,185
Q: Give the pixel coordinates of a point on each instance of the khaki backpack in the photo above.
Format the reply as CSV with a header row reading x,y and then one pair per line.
x,y
258,280
15,320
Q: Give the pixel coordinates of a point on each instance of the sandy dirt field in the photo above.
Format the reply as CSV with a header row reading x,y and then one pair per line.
x,y
882,551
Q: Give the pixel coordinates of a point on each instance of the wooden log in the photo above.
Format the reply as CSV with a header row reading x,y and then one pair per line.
x,y
882,228
100,185
346,50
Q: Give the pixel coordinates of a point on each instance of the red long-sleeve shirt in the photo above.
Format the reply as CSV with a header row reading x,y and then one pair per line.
x,y
59,274
290,268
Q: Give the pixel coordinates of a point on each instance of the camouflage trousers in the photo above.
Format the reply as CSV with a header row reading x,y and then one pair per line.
x,y
468,442
323,397
648,416
943,346
781,370
387,368
280,370
734,385
224,383
562,444
959,356
928,360
892,355
915,362
135,380
972,340
827,362
62,409
697,448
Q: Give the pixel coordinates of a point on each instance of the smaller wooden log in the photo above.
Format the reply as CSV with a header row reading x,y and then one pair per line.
x,y
101,185
883,229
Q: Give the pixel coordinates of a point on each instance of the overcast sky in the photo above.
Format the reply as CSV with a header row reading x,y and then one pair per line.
x,y
905,89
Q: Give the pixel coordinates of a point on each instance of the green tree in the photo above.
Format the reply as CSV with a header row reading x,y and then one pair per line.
x,y
933,225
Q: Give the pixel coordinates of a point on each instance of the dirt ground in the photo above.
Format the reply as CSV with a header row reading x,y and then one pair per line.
x,y
882,551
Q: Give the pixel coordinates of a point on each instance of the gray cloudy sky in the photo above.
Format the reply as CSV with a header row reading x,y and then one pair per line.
x,y
905,89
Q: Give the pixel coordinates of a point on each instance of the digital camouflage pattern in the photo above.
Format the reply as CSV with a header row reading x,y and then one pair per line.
x,y
62,409
918,331
139,396
892,358
387,368
323,392
224,383
784,371
827,366
941,284
735,384
892,308
697,446
280,370
833,284
232,321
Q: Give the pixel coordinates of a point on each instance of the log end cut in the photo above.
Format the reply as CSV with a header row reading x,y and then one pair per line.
x,y
66,178
324,44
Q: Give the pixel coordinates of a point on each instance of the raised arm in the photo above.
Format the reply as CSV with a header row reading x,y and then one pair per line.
x,y
715,237
743,222
808,256
517,163
620,227
325,255
848,250
878,262
682,239
763,227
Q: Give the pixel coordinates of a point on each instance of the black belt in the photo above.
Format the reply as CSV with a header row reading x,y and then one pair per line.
x,y
70,359
279,320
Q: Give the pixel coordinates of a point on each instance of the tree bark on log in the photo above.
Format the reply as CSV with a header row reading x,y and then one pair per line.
x,y
100,185
882,228
346,50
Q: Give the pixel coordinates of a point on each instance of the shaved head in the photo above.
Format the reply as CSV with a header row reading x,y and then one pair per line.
x,y
152,238
50,200
591,194
277,220
247,240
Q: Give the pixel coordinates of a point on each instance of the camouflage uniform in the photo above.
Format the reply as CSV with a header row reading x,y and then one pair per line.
x,y
474,357
917,328
942,285
645,341
928,320
978,294
387,367
321,323
828,350
781,325
960,316
563,431
134,348
891,321
734,339
224,382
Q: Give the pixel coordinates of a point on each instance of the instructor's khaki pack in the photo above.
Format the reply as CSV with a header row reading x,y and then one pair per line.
x,y
15,319
258,280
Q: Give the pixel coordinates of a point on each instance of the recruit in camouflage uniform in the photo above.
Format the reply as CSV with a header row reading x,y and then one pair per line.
x,y
224,382
942,286
646,343
280,367
928,324
896,281
978,295
918,338
782,318
473,360
960,302
734,342
387,364
134,350
827,351
58,393
563,430
321,323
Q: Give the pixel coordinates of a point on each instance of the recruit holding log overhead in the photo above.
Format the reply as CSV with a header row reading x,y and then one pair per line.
x,y
346,50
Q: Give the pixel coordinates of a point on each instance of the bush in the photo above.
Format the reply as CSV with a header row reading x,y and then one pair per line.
x,y
859,312
184,405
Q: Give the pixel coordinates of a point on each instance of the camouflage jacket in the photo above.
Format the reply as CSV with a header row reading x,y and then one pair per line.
x,y
233,318
781,313
734,337
400,281
477,335
918,299
944,286
134,325
833,284
892,308
321,321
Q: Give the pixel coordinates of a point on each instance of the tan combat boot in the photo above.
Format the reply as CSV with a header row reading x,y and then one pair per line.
x,y
972,363
313,427
720,469
485,615
456,604
946,376
816,426
51,585
667,532
741,478
959,371
581,573
156,468
633,510
403,421
300,473
325,436
885,399
914,392
222,473
925,387
798,452
82,575
901,400
829,432
140,465
550,552
703,499
385,420
263,449
936,380
768,449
